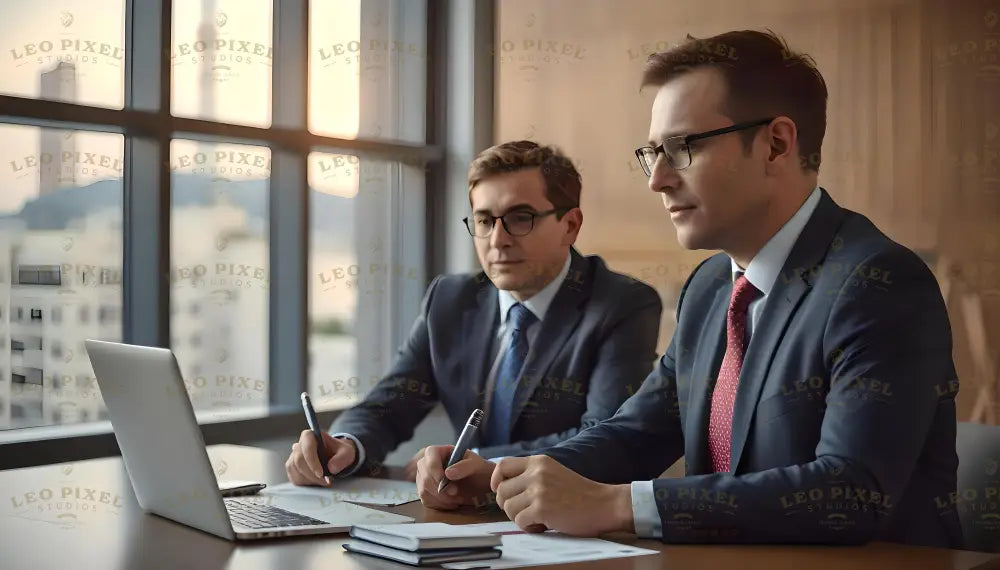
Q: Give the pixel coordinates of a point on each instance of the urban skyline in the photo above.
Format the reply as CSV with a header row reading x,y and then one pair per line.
x,y
61,254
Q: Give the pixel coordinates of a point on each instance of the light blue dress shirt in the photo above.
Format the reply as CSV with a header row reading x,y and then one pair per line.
x,y
762,272
538,304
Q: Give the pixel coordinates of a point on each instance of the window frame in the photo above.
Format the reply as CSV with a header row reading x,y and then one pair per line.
x,y
148,127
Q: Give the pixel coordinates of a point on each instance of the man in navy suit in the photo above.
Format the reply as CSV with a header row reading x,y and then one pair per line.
x,y
548,341
809,383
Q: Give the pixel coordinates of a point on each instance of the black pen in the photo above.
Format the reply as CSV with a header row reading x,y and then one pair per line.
x,y
307,407
470,429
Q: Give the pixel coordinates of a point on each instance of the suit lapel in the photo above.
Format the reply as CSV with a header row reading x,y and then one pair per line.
x,y
560,321
788,291
480,320
708,357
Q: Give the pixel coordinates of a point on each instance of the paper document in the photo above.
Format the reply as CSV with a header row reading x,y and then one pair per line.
x,y
362,490
524,549
314,503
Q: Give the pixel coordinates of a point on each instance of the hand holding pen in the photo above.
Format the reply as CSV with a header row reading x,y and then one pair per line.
x,y
463,444
317,456
468,479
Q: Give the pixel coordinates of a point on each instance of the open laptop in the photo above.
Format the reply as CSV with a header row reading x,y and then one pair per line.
x,y
164,454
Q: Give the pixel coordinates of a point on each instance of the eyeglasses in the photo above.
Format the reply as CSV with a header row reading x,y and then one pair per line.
x,y
678,149
516,223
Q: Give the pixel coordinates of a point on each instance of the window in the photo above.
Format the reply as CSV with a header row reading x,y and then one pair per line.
x,y
355,271
360,54
49,276
63,188
221,57
32,375
219,247
362,261
308,120
72,51
38,275
108,315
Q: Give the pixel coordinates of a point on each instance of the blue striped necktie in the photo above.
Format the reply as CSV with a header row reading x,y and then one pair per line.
x,y
508,373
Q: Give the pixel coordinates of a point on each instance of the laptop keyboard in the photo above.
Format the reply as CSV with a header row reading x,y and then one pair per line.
x,y
253,515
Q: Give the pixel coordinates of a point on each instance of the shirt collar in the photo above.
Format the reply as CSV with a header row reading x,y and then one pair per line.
x,y
539,303
764,268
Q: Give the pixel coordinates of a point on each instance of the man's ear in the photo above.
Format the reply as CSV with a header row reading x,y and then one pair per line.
x,y
574,221
783,141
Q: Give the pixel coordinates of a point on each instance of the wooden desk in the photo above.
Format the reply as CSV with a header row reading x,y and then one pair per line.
x,y
83,515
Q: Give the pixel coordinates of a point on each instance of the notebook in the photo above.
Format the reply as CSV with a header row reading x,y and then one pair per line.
x,y
424,558
425,536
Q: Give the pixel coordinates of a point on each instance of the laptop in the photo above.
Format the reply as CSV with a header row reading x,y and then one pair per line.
x,y
164,454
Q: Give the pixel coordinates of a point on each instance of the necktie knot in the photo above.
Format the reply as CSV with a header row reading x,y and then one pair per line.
x,y
743,293
520,317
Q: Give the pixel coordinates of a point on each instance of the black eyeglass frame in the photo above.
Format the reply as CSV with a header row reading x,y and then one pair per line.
x,y
686,140
506,228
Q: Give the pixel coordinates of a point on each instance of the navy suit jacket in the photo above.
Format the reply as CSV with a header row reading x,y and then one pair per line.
x,y
596,345
844,422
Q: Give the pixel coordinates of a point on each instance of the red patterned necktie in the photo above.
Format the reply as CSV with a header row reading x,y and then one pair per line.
x,y
720,422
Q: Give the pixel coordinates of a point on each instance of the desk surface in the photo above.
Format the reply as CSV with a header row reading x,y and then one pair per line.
x,y
84,515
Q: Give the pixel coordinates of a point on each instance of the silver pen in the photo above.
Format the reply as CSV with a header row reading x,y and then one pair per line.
x,y
468,432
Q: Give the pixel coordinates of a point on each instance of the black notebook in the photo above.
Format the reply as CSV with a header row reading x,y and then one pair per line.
x,y
425,536
423,557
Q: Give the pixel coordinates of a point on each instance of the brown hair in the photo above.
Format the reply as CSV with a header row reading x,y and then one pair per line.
x,y
764,79
562,181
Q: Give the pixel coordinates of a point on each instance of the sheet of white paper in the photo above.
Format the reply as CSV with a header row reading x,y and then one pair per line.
x,y
361,490
524,549
324,508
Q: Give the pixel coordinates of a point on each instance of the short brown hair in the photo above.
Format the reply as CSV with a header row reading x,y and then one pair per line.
x,y
764,78
562,181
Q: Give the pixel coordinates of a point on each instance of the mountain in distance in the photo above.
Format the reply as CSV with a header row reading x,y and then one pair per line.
x,y
332,216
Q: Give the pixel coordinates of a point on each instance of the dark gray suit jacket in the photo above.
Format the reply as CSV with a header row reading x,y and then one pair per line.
x,y
844,423
596,345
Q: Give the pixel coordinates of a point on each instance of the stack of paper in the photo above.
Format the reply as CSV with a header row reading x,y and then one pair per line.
x,y
424,543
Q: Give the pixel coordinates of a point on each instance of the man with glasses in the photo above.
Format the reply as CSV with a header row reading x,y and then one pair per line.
x,y
546,341
809,384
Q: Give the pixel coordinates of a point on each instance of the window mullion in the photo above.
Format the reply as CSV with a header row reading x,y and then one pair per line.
x,y
146,182
289,207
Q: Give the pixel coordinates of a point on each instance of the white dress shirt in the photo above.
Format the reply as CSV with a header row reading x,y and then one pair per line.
x,y
538,304
762,272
